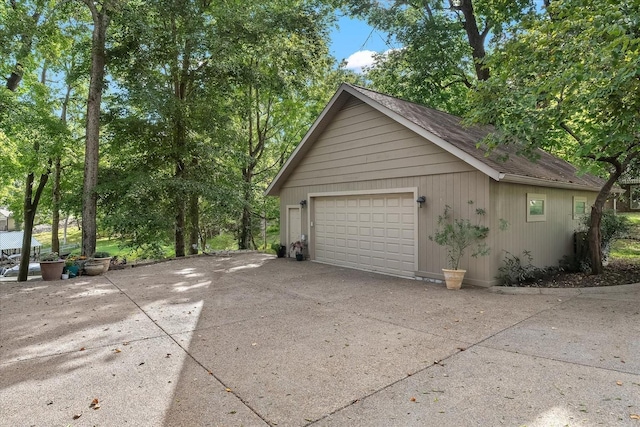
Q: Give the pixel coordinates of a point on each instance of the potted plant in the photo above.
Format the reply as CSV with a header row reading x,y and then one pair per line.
x,y
458,235
279,249
103,258
298,250
51,266
71,267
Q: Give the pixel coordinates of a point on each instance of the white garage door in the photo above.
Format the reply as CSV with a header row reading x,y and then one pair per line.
x,y
371,232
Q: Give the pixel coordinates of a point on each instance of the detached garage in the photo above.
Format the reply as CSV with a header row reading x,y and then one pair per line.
x,y
365,186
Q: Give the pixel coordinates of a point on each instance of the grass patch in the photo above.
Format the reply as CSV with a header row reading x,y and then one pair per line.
x,y
628,249
117,247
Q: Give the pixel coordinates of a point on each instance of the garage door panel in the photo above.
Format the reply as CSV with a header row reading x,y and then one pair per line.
x,y
393,201
407,218
373,233
393,218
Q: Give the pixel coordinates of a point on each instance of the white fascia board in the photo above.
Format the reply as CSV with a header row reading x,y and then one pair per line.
x,y
306,138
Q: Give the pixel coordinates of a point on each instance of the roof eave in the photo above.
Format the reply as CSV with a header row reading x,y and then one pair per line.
x,y
539,182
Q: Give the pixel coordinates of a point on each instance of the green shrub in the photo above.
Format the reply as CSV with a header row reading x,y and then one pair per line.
x,y
51,256
612,227
457,235
101,254
515,272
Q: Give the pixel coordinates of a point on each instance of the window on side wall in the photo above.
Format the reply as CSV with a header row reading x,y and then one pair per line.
x,y
634,197
579,207
536,207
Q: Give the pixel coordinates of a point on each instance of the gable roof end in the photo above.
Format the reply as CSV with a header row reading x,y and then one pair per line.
x,y
447,132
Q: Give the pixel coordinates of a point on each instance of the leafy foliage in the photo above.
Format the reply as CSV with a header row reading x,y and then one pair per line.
x,y
458,234
612,228
517,270
443,47
569,83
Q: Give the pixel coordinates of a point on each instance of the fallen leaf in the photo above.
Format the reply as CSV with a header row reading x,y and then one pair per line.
x,y
634,416
228,390
210,373
76,416
413,399
254,344
82,349
619,382
117,350
94,402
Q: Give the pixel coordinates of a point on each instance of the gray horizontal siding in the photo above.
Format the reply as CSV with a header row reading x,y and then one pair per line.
x,y
361,144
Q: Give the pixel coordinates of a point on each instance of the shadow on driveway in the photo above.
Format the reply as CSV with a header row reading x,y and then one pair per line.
x,y
254,340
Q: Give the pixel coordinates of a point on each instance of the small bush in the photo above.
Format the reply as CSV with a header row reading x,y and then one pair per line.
x,y
518,270
612,228
575,264
51,256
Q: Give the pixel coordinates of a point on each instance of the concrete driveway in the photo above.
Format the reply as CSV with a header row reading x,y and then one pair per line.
x,y
250,340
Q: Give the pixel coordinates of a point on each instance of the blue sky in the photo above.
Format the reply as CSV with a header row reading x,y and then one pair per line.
x,y
356,41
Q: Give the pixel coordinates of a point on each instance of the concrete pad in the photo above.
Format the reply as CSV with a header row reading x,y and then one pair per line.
x,y
470,315
295,368
595,332
56,318
487,387
142,385
254,340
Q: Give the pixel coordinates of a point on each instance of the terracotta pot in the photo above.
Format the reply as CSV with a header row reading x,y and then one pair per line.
x,y
51,270
453,278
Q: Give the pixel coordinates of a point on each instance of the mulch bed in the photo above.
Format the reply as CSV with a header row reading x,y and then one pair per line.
x,y
616,273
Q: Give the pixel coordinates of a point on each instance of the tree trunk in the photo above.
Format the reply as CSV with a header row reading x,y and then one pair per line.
x,y
55,221
180,225
194,225
593,234
475,38
245,237
30,205
57,172
91,156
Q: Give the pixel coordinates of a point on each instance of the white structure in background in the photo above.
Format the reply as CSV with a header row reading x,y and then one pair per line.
x,y
7,223
11,245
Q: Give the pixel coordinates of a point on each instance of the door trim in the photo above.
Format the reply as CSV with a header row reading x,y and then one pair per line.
x,y
288,229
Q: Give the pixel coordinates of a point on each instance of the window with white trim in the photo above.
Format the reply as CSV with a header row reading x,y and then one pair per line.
x,y
579,207
536,207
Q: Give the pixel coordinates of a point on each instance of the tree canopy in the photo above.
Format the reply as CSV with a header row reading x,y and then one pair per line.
x,y
569,83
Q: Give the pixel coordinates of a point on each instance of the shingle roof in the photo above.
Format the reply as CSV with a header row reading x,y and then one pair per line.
x,y
13,240
450,128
